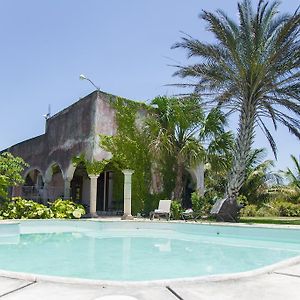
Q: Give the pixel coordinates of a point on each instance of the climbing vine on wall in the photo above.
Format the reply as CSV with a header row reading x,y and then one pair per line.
x,y
92,167
129,148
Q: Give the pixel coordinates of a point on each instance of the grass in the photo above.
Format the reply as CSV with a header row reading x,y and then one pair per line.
x,y
270,220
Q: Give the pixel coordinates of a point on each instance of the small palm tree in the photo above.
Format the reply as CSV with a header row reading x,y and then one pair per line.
x,y
259,177
180,129
294,176
251,69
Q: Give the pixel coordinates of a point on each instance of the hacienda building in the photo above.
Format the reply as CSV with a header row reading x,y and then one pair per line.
x,y
72,132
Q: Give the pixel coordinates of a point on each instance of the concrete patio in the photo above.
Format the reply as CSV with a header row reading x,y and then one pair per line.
x,y
283,283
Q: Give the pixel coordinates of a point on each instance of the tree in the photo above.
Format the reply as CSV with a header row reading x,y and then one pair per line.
x,y
259,177
180,129
251,69
11,169
294,176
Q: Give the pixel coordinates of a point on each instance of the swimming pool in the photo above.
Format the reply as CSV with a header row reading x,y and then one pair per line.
x,y
140,251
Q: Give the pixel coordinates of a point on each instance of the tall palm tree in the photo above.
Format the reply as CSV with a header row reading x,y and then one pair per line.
x,y
251,69
181,130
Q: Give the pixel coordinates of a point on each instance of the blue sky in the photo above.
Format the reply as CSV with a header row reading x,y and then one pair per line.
x,y
123,46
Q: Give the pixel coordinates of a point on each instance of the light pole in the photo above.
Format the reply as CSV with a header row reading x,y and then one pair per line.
x,y
83,77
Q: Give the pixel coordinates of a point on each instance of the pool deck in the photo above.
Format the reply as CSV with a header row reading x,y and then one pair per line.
x,y
280,283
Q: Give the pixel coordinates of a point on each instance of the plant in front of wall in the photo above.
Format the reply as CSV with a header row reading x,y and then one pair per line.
x,y
11,168
129,149
93,167
66,209
18,208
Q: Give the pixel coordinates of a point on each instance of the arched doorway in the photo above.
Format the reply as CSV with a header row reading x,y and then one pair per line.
x,y
80,185
32,188
55,182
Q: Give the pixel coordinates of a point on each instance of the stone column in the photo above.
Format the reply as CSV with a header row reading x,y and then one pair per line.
x,y
16,191
127,195
198,175
45,192
93,195
67,188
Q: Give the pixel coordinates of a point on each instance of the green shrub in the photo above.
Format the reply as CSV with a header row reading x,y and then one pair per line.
x,y
242,200
66,209
249,211
19,208
287,209
176,210
200,203
267,211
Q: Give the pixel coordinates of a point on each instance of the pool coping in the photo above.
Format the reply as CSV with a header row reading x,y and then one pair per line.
x,y
164,282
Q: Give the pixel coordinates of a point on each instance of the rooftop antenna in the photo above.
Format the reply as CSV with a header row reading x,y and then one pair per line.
x,y
48,115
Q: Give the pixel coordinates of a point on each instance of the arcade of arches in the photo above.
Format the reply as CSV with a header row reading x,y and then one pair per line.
x,y
75,184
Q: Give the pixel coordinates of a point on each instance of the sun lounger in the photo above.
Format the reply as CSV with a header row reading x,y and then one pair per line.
x,y
164,210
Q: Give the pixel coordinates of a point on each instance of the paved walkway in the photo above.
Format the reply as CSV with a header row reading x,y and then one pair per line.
x,y
282,284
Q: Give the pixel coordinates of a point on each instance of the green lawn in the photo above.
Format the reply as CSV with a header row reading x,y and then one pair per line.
x,y
269,220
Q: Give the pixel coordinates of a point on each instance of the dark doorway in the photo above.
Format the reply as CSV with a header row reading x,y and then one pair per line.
x,y
104,191
77,184
188,189
76,188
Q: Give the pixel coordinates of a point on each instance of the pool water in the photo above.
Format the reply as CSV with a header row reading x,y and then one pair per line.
x,y
140,253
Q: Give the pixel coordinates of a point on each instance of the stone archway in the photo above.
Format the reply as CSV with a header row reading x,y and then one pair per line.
x,y
54,183
79,185
32,188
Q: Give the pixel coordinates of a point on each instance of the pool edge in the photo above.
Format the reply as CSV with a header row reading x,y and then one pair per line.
x,y
164,282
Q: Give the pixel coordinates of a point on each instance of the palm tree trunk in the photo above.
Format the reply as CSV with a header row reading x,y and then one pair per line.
x,y
179,181
237,174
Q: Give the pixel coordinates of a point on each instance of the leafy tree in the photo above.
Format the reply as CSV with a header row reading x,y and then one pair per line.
x,y
11,169
180,129
251,69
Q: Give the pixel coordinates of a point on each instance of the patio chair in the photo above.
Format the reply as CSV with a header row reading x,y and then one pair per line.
x,y
190,214
164,209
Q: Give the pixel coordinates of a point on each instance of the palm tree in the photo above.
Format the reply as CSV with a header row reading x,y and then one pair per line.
x,y
251,69
259,177
180,130
294,176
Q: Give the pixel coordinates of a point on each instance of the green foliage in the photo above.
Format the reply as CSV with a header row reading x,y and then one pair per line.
x,y
176,210
267,211
252,69
179,129
11,169
276,220
277,208
92,167
249,211
129,149
293,177
200,203
286,209
259,177
19,208
66,209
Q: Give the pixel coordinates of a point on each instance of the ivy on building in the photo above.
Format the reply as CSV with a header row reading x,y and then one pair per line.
x,y
92,167
130,150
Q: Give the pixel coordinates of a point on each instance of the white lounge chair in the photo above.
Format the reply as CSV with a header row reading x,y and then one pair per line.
x,y
164,209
